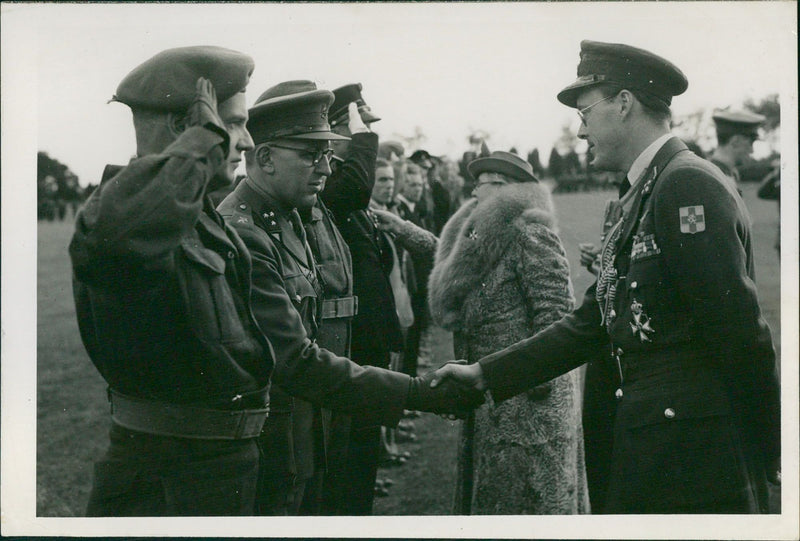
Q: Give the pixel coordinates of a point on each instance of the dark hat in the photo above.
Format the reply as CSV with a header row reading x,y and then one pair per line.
x,y
292,110
168,80
626,66
737,123
344,96
421,158
503,162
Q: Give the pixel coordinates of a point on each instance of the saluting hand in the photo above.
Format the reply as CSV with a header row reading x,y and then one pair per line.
x,y
354,121
203,110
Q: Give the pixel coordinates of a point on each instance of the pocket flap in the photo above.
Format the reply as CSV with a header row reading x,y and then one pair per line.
x,y
201,255
671,408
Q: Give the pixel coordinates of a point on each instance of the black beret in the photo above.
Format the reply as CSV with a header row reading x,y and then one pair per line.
x,y
737,123
168,80
292,110
626,66
344,96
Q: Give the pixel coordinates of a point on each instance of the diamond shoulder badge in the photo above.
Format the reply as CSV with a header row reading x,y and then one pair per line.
x,y
692,219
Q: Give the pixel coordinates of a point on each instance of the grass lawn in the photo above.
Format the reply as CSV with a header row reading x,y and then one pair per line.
x,y
73,416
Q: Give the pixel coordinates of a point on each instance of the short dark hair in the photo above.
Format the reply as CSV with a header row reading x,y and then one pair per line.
x,y
653,106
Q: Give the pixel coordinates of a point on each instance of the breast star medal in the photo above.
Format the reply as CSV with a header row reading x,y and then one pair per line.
x,y
641,323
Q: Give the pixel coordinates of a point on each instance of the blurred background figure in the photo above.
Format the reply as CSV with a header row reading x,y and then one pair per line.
x,y
736,133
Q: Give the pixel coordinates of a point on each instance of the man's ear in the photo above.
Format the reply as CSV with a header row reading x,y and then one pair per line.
x,y
263,157
176,123
626,100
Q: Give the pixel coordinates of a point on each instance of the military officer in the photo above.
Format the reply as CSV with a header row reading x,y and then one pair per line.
x,y
736,132
674,312
285,171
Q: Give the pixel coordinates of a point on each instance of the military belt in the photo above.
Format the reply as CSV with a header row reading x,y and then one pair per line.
x,y
181,421
341,307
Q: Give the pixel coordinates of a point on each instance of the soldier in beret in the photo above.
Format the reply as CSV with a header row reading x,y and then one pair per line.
x,y
736,132
161,290
286,170
673,316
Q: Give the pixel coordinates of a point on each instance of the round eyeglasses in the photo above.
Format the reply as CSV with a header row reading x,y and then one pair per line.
x,y
582,112
314,156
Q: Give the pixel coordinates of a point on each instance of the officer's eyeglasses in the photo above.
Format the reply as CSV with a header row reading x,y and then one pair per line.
x,y
582,112
314,156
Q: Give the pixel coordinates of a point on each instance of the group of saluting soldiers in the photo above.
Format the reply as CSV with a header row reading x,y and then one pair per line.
x,y
247,345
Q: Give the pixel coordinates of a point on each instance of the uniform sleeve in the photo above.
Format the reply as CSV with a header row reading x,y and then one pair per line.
x,y
301,367
350,187
139,216
707,258
566,344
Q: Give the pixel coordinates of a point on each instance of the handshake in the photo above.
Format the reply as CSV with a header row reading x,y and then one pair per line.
x,y
454,389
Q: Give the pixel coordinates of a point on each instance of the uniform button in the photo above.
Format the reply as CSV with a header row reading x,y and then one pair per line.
x,y
634,285
618,394
669,413
298,298
243,206
619,352
231,255
612,314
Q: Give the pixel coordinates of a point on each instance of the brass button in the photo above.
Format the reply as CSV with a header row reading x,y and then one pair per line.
x,y
298,298
619,352
618,394
669,413
634,284
242,206
231,255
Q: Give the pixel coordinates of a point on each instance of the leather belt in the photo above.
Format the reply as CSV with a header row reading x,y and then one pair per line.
x,y
341,307
180,421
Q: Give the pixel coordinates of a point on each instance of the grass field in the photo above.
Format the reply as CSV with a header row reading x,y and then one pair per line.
x,y
72,412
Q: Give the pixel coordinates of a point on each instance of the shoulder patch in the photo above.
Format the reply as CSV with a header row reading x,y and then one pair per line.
x,y
692,219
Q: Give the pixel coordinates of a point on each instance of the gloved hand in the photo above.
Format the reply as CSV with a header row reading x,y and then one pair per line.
x,y
448,397
203,111
354,122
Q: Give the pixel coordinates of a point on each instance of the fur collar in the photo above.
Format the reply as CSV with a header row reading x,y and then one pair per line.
x,y
474,240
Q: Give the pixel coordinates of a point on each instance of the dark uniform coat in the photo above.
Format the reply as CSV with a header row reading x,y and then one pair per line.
x,y
697,415
162,298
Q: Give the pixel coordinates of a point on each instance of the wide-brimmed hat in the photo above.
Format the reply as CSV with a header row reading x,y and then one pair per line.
x,y
625,66
506,163
168,81
344,96
292,110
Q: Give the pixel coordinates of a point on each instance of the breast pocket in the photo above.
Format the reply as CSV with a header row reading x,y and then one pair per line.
x,y
299,287
210,306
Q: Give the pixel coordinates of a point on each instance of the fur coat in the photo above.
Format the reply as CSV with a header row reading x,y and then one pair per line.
x,y
501,275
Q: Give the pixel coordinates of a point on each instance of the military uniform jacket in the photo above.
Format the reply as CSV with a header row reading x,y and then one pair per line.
x,y
698,399
376,329
161,286
284,302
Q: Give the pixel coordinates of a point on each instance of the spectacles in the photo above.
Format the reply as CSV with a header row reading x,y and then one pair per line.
x,y
313,155
581,112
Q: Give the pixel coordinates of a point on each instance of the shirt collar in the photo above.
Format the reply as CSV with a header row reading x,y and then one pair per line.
x,y
643,160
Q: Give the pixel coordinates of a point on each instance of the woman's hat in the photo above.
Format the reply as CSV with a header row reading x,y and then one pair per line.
x,y
506,163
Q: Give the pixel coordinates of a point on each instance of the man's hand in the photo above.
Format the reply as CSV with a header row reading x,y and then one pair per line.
x,y
469,375
354,122
203,110
589,257
448,397
388,221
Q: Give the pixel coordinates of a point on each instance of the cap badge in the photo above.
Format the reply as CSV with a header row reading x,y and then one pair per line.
x,y
693,219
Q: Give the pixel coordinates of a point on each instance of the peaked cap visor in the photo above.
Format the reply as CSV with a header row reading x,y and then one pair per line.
x,y
303,115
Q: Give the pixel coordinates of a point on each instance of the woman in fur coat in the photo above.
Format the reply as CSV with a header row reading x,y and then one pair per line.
x,y
501,275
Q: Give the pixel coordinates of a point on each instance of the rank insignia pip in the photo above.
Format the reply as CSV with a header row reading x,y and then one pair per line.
x,y
641,323
693,219
473,235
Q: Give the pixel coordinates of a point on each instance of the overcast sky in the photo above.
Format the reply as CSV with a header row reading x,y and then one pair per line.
x,y
448,69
